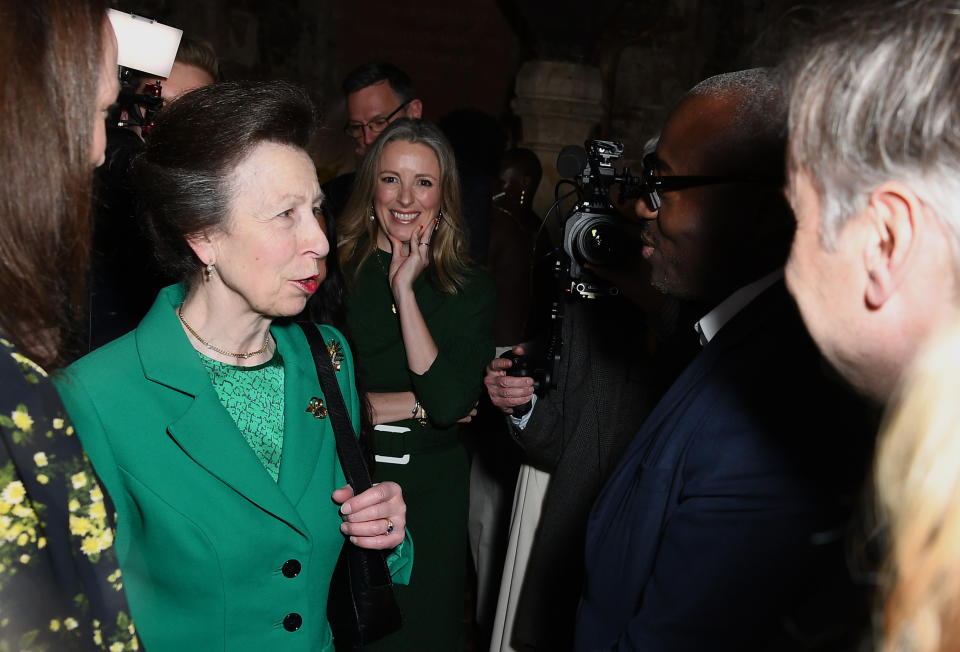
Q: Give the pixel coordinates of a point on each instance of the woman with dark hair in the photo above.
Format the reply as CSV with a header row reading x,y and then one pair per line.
x,y
201,421
60,587
422,320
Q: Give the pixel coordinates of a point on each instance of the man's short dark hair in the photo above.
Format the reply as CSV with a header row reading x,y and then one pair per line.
x,y
200,54
377,71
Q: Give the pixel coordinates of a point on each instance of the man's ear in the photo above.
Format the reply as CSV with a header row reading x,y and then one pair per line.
x,y
895,215
414,109
203,246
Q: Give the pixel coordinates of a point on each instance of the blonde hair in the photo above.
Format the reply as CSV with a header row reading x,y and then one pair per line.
x,y
918,490
449,256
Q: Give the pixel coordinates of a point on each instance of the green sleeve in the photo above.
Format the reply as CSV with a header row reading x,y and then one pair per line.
x,y
452,384
400,560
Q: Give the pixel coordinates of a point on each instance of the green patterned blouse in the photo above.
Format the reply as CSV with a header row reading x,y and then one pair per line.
x,y
254,398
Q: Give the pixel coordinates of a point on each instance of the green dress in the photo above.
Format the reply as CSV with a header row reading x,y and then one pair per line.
x,y
429,462
216,553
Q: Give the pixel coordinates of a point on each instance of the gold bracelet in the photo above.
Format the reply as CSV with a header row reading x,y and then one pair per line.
x,y
422,417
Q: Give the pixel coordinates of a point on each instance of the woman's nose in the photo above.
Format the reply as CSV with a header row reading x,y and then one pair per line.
x,y
406,195
315,240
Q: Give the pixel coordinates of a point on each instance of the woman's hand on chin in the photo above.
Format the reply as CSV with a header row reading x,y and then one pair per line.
x,y
404,269
374,519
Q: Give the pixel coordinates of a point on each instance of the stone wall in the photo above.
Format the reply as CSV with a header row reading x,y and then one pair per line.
x,y
553,73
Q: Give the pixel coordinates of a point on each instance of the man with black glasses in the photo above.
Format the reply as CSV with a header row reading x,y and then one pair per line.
x,y
377,94
721,529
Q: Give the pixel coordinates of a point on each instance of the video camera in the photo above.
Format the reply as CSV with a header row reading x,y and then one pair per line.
x,y
594,232
135,109
146,50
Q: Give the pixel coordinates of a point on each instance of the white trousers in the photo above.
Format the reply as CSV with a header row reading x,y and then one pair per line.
x,y
527,505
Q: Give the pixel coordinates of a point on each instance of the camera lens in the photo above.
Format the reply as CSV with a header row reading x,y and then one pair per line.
x,y
598,240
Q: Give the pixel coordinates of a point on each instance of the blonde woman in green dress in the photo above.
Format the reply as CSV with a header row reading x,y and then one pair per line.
x,y
421,316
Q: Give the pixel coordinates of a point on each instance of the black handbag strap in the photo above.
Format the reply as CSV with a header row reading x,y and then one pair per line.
x,y
348,446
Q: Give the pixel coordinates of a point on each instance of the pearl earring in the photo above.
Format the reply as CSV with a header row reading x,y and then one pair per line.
x,y
208,271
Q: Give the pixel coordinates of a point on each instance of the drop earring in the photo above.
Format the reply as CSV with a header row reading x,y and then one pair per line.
x,y
523,195
208,271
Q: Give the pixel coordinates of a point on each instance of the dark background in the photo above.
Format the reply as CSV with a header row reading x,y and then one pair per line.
x,y
467,53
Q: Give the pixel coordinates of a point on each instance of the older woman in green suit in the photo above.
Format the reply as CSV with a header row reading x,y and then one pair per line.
x,y
230,498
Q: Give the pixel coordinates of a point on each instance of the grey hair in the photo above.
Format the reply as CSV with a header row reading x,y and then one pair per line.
x,y
875,98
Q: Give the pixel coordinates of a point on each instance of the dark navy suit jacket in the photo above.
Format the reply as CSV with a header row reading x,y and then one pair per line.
x,y
724,518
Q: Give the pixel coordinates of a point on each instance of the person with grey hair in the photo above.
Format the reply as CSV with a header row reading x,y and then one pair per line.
x,y
874,177
721,528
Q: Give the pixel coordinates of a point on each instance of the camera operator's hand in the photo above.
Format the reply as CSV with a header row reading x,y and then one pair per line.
x,y
507,392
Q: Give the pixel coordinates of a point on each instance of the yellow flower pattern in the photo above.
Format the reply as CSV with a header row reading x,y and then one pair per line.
x,y
21,419
42,457
13,493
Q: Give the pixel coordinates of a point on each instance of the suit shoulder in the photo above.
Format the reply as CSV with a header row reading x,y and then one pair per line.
x,y
113,356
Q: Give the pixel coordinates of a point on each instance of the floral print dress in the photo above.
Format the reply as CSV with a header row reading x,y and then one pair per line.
x,y
60,584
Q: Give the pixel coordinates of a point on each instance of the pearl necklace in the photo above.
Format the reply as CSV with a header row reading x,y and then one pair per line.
x,y
243,356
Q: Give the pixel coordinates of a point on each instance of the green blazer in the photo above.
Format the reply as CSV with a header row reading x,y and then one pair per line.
x,y
215,555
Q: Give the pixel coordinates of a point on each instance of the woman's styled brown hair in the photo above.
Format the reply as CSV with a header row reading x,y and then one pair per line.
x,y
184,175
449,255
50,60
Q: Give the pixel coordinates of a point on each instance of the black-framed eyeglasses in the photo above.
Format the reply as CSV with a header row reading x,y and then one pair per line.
x,y
653,185
355,129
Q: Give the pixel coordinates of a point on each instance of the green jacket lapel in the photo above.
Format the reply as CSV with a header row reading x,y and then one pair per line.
x,y
204,431
304,435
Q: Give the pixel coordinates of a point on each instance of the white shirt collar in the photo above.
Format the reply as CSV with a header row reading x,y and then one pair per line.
x,y
711,323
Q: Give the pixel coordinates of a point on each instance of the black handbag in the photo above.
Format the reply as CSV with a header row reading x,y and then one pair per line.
x,y
361,606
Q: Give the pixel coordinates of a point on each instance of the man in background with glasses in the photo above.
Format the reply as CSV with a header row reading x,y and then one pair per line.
x,y
376,94
722,527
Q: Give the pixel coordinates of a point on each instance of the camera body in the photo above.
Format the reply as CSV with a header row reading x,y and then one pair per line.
x,y
134,109
594,232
